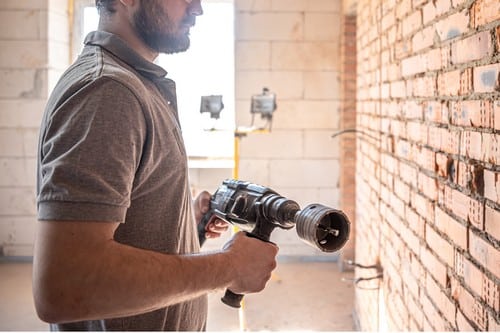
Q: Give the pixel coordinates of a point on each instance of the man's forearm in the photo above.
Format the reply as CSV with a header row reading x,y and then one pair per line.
x,y
114,280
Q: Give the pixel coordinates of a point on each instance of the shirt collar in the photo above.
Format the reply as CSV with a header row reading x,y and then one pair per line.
x,y
120,49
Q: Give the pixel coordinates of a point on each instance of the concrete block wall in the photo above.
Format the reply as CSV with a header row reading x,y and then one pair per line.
x,y
33,44
428,166
292,48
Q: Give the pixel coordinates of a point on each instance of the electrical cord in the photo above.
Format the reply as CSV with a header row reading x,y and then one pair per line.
x,y
353,130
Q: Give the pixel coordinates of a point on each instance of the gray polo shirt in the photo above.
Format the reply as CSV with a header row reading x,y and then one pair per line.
x,y
111,150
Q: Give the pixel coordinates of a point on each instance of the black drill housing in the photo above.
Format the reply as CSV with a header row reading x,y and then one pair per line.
x,y
258,210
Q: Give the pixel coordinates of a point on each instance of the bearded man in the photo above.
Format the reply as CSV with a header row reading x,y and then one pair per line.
x,y
117,246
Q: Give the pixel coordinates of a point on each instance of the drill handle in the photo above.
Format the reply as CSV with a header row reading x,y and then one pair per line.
x,y
232,299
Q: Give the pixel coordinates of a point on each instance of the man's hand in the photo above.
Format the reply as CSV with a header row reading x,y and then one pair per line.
x,y
252,262
215,227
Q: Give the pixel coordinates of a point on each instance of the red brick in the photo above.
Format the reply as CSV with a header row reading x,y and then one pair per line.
x,y
463,324
428,186
442,165
472,48
476,213
444,304
412,110
449,83
457,202
434,59
456,231
473,277
434,139
485,11
423,39
423,206
466,81
496,113
493,325
436,112
439,245
424,86
434,9
472,309
433,266
472,145
398,89
491,148
492,185
487,78
436,321
450,141
490,293
484,253
453,25
492,222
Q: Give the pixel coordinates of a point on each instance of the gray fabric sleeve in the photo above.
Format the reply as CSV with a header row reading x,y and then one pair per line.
x,y
90,148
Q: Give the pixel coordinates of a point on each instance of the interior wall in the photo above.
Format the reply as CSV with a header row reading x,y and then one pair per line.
x,y
428,165
292,48
33,40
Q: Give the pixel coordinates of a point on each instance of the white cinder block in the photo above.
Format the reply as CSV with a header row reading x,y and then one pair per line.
x,y
322,85
60,6
23,54
309,56
12,142
19,83
274,145
319,144
285,84
24,4
21,113
305,114
17,229
322,26
255,171
253,55
30,142
269,26
304,173
252,5
329,197
28,30
210,179
307,5
17,201
303,195
16,172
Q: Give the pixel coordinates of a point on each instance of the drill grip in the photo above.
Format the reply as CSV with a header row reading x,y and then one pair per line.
x,y
232,299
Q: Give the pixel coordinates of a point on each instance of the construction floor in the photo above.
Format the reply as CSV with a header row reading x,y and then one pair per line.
x,y
301,296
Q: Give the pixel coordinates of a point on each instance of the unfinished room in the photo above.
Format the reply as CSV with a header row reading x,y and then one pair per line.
x,y
263,165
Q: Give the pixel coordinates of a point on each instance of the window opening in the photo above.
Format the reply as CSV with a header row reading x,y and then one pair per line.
x,y
207,68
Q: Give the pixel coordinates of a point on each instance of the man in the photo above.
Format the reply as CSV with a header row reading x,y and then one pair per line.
x,y
117,246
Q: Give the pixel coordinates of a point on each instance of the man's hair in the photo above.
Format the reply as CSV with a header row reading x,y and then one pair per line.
x,y
107,6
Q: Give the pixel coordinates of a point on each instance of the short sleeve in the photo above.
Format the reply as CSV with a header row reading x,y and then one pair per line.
x,y
90,148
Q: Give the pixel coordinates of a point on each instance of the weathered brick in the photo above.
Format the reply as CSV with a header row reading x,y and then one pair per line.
x,y
472,309
456,231
492,222
449,83
436,112
492,185
423,39
484,253
487,78
491,148
484,11
453,25
472,48
439,245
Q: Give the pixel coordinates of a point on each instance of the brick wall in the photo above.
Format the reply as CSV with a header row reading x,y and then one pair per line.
x,y
428,164
291,47
34,49
348,122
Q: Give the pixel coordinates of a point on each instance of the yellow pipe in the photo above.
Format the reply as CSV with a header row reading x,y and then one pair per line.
x,y
71,22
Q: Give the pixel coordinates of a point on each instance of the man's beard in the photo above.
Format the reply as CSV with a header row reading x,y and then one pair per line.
x,y
157,30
